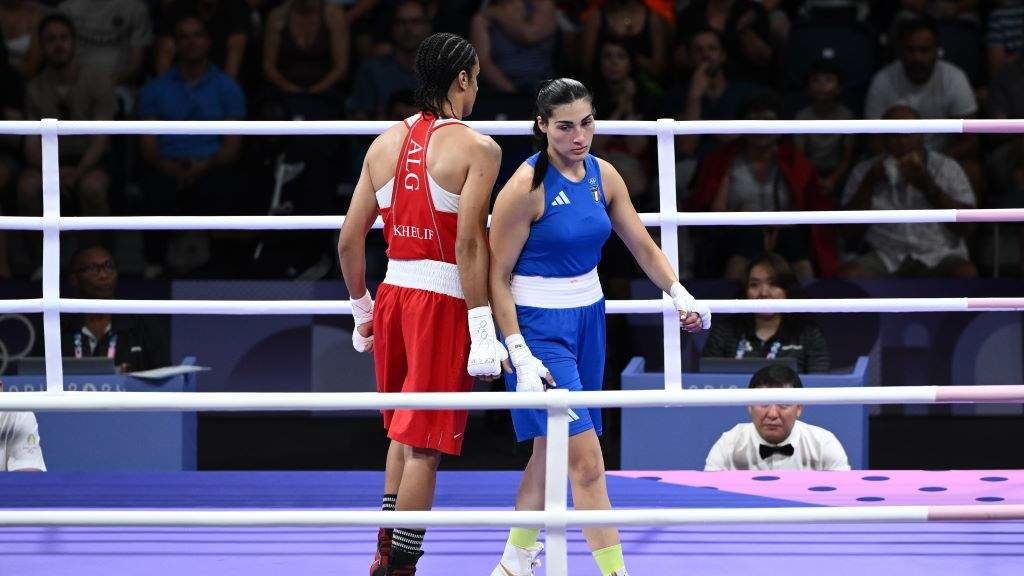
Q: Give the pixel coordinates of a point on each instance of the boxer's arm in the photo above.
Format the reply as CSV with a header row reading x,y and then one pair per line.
x,y
514,211
694,315
352,241
484,158
631,229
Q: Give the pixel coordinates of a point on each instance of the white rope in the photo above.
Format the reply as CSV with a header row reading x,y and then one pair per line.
x,y
819,127
613,306
435,518
21,223
315,307
512,127
285,401
77,223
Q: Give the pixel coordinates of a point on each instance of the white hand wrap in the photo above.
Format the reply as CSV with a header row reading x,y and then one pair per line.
x,y
362,313
530,371
485,351
684,302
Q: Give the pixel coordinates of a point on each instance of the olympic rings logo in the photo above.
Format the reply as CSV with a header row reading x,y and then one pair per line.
x,y
30,341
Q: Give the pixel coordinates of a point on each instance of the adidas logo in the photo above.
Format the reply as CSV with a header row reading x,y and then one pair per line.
x,y
561,199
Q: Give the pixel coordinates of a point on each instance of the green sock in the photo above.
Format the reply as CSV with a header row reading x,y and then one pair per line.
x,y
523,537
609,560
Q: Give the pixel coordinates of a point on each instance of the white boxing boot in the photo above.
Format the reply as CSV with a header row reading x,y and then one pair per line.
x,y
518,561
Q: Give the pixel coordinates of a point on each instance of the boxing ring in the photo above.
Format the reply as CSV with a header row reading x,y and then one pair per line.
x,y
672,522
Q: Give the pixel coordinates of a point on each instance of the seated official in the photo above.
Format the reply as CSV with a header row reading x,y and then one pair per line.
x,y
133,342
771,335
776,439
20,449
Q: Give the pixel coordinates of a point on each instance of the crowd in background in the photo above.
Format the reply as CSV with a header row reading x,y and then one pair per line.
x,y
689,60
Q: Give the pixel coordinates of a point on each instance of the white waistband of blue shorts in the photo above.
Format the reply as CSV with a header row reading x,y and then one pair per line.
x,y
572,292
430,275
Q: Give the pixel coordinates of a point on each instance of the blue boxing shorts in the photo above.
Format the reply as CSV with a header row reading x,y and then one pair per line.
x,y
571,344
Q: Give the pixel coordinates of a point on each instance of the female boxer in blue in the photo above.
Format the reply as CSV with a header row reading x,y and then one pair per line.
x,y
550,222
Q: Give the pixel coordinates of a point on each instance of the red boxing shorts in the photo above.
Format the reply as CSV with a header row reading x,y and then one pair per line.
x,y
421,344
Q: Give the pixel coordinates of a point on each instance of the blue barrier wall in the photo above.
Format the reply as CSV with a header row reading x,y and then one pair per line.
x,y
680,438
115,441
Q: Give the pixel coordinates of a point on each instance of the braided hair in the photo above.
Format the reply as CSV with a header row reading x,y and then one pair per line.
x,y
439,59
550,95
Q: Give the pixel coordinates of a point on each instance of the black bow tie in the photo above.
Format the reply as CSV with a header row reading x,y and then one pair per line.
x,y
766,450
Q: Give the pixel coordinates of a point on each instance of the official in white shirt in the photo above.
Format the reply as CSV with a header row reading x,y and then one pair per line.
x,y
776,439
20,449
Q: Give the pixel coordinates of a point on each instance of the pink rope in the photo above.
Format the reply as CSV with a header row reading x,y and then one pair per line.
x,y
995,303
976,512
990,215
1010,394
993,126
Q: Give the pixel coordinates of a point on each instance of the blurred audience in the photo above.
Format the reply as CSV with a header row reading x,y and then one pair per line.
x,y
758,173
226,23
933,87
381,76
189,174
711,93
619,96
113,36
133,342
745,26
1005,37
690,60
12,101
644,33
776,439
66,89
305,56
19,22
515,42
909,176
830,154
769,335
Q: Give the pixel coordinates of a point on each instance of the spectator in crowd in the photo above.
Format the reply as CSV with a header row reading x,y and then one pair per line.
x,y
305,56
19,22
769,335
12,101
133,342
226,23
831,154
779,12
189,174
20,449
712,93
67,90
938,10
113,36
776,439
1005,34
761,172
909,176
381,76
933,87
515,41
744,25
619,96
1005,164
643,31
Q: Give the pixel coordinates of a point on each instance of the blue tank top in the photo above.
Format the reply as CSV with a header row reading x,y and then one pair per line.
x,y
567,239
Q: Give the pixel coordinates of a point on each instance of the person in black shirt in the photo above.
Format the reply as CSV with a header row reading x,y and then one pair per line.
x,y
769,335
133,342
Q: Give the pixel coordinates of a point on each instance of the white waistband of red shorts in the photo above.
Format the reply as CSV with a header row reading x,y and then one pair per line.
x,y
571,292
430,275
